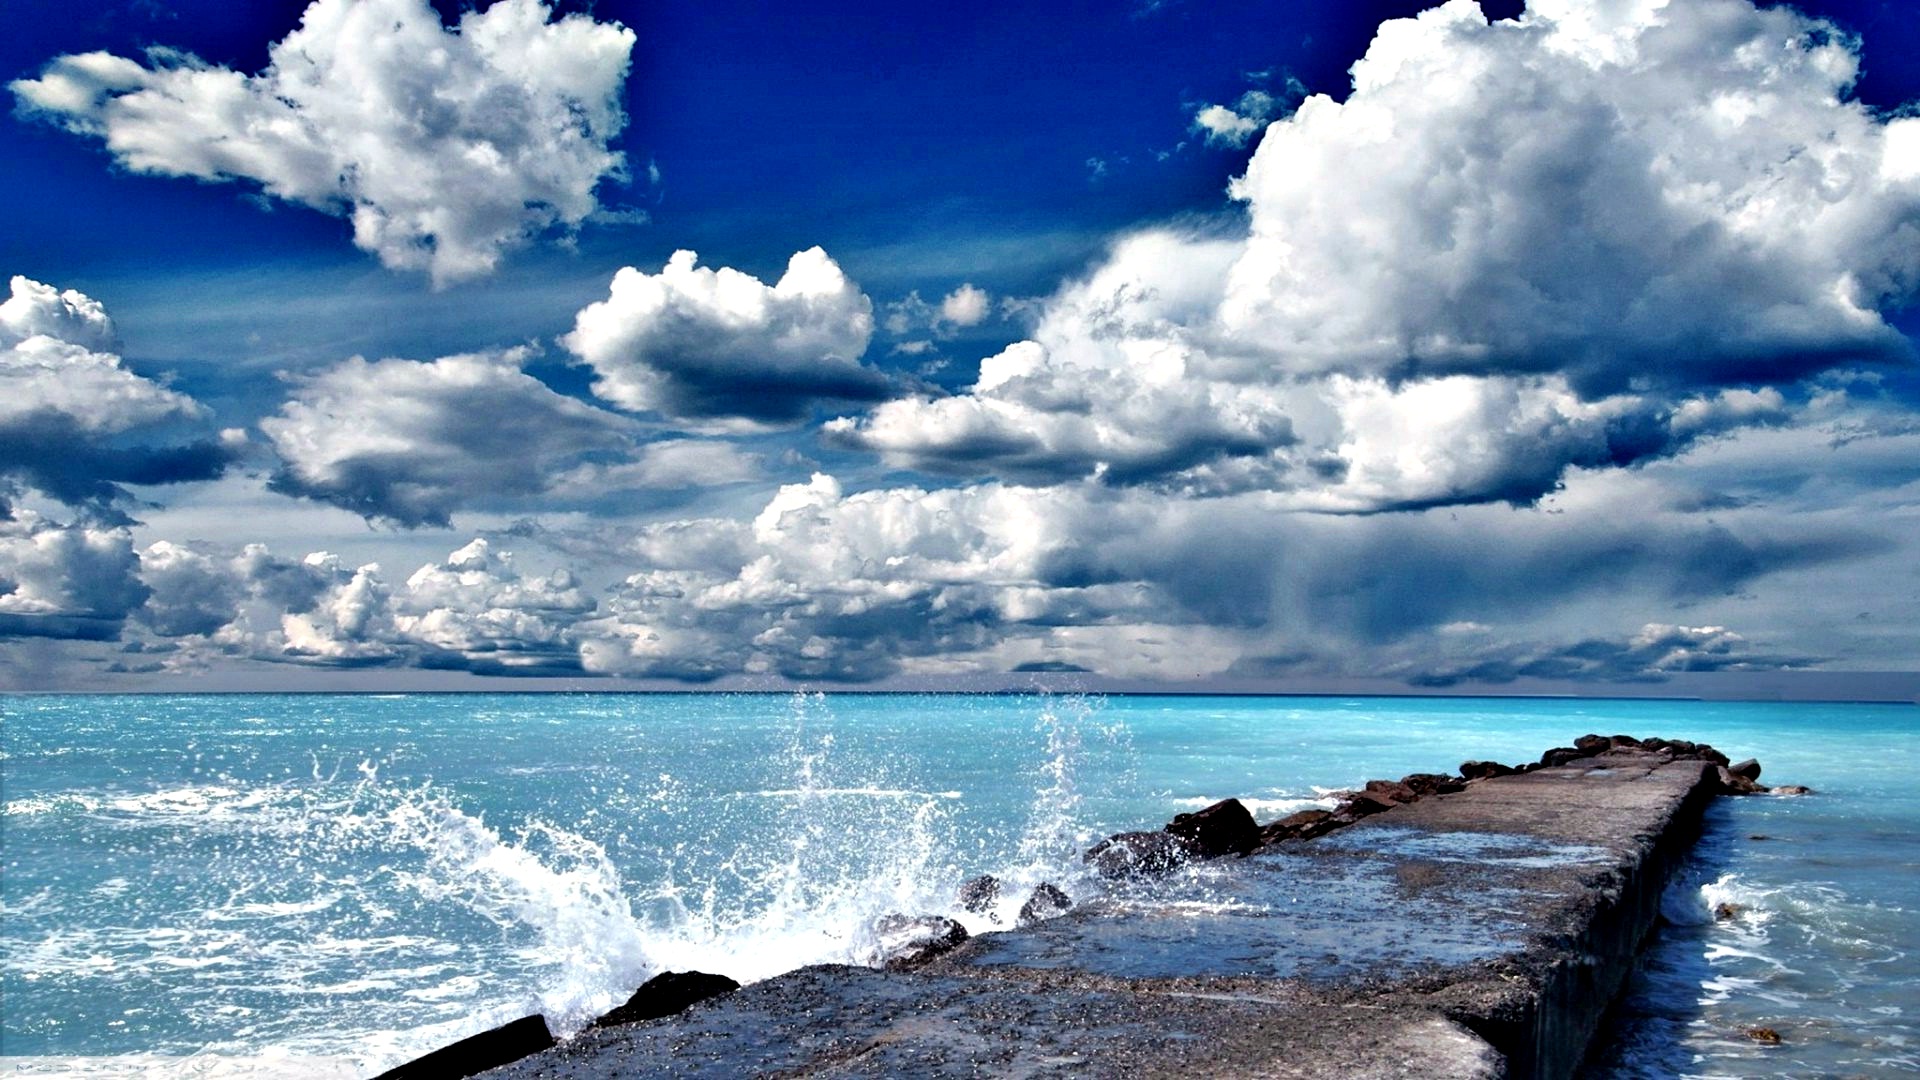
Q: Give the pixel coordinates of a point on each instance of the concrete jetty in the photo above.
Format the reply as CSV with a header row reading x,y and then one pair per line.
x,y
1481,932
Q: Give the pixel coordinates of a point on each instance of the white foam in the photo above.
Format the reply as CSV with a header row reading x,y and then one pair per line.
x,y
183,1067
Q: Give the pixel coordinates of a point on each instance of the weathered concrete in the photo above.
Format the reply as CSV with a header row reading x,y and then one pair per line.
x,y
1474,933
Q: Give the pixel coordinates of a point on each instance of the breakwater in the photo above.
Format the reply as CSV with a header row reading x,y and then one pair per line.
x,y
1441,925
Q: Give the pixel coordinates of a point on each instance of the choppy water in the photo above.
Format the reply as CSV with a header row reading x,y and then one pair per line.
x,y
327,885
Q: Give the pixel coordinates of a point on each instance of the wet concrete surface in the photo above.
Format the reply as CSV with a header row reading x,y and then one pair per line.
x,y
1474,934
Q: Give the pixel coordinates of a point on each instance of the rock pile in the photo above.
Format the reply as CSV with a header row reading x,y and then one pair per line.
x,y
1226,828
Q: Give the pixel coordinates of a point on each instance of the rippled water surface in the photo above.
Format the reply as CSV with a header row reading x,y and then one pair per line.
x,y
327,885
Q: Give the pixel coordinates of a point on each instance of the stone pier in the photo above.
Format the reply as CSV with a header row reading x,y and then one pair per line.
x,y
1477,933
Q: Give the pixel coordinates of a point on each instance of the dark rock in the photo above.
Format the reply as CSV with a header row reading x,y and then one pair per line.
x,y
1748,768
1589,745
906,941
1560,755
1131,854
980,894
1045,902
1764,1035
1303,825
476,1054
1734,784
1708,753
666,994
1392,790
1724,912
1424,784
1626,742
1792,789
1365,804
1481,770
1225,828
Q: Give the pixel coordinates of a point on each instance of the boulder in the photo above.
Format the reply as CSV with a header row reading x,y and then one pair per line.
x,y
1710,754
1225,828
1734,784
666,994
1424,784
1482,770
476,1054
1590,745
1365,804
1625,742
1303,825
907,941
1393,790
1560,755
1045,902
980,894
1133,854
1792,789
1749,768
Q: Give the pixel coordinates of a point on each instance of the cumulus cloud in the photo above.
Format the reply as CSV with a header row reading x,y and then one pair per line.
x,y
1516,249
1233,125
71,412
967,305
827,584
65,581
409,441
822,584
474,610
1676,194
445,147
722,350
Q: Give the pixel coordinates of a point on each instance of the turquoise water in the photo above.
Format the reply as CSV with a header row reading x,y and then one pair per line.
x,y
327,885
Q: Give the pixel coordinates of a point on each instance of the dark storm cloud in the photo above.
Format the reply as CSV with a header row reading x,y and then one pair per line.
x,y
1654,654
54,454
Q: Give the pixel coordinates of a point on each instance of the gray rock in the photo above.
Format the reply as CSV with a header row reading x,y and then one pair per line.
x,y
907,941
1136,854
1045,902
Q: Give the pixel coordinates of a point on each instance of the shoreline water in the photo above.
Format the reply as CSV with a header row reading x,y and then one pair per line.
x,y
1135,759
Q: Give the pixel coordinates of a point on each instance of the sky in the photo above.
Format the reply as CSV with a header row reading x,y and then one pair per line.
x,y
1566,347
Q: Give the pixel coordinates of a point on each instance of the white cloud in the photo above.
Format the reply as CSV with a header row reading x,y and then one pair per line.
x,y
1234,125
351,623
1517,248
720,350
412,441
477,606
65,581
966,306
1675,194
55,357
72,415
445,147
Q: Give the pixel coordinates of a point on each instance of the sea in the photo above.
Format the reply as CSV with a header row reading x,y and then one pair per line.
x,y
330,885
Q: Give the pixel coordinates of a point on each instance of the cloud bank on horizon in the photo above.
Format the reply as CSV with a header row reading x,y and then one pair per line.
x,y
1559,347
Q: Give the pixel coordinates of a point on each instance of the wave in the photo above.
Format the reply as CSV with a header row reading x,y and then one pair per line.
x,y
340,915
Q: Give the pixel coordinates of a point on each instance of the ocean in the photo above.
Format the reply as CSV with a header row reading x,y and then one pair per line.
x,y
329,885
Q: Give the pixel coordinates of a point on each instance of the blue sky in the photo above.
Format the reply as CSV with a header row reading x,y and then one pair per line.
x,y
1571,350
